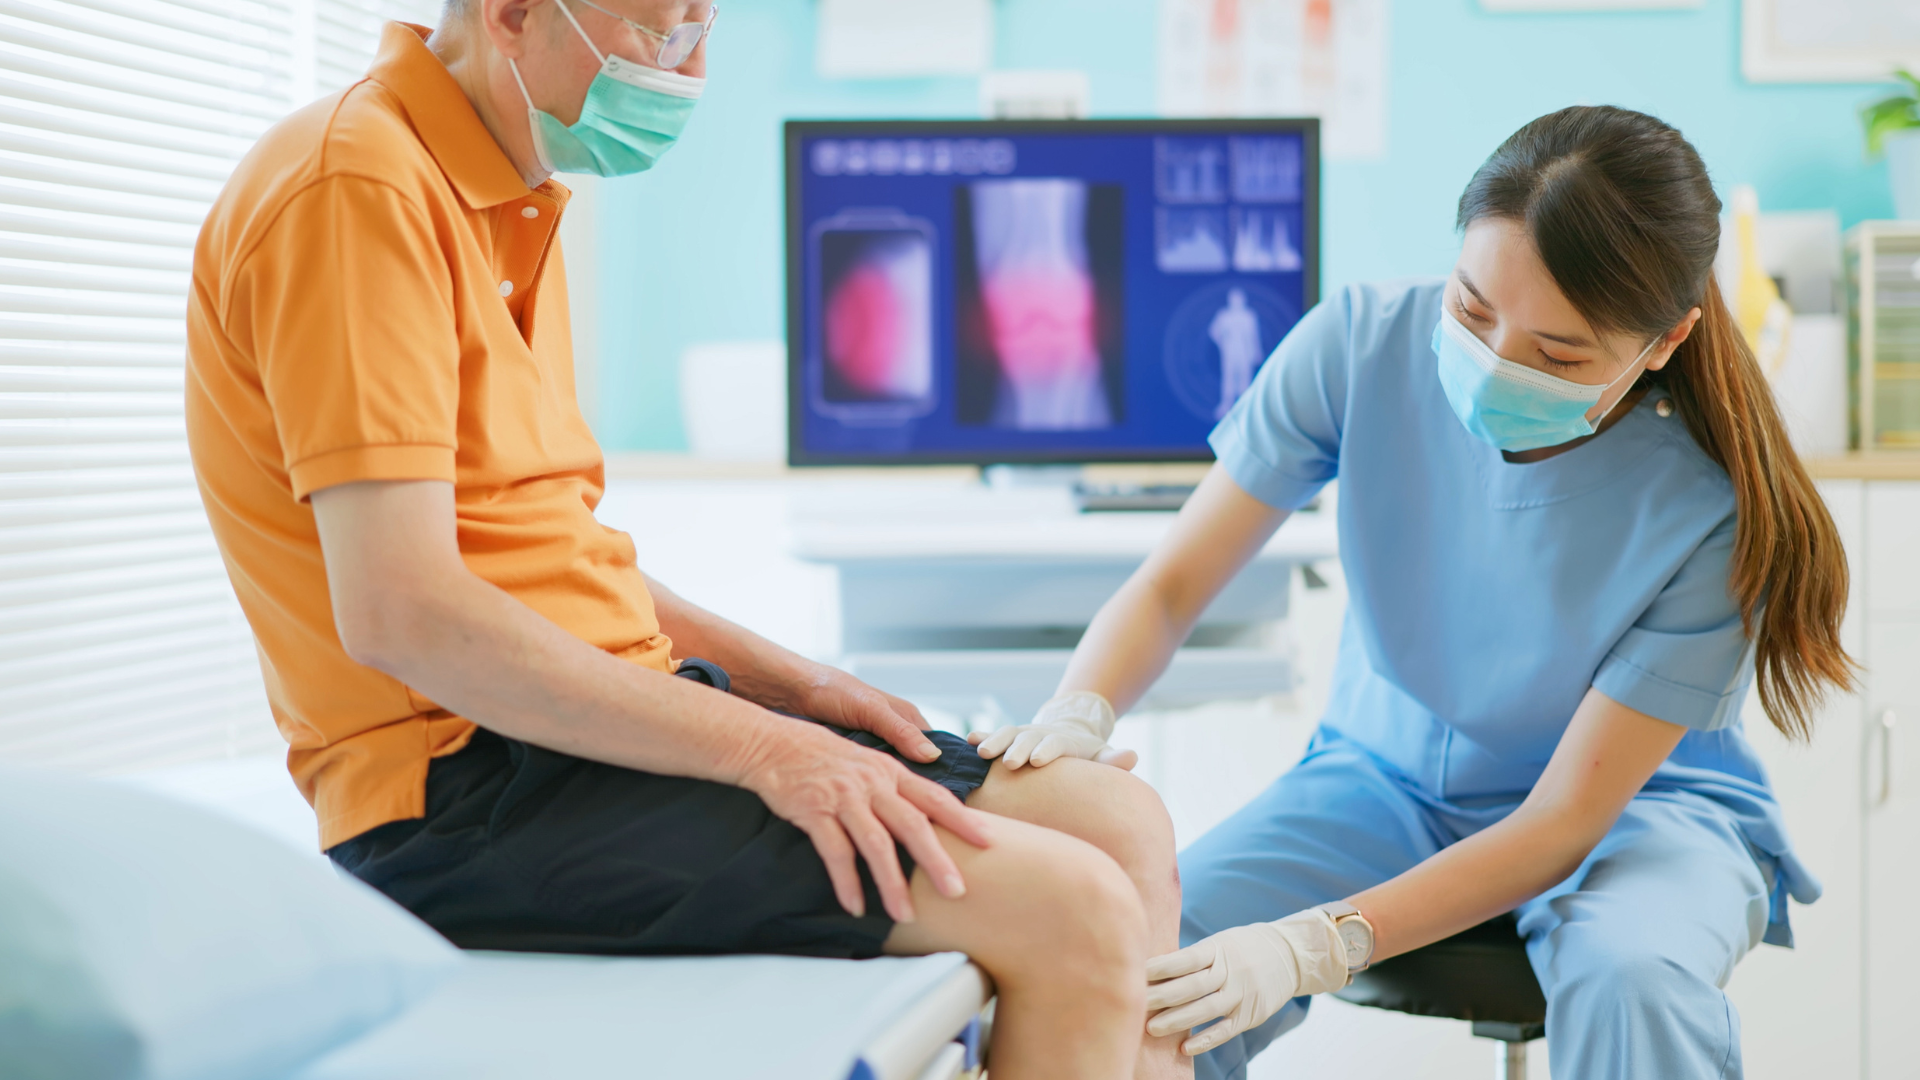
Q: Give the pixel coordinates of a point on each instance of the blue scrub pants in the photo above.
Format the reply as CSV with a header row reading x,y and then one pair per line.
x,y
1632,950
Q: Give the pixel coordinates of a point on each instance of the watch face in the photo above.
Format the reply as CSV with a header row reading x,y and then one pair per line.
x,y
1358,937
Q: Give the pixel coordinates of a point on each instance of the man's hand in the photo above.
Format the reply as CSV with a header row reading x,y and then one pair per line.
x,y
850,799
838,698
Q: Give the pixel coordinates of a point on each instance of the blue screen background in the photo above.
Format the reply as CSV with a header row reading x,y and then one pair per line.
x,y
1154,421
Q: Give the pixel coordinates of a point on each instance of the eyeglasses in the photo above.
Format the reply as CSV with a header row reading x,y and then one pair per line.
x,y
674,46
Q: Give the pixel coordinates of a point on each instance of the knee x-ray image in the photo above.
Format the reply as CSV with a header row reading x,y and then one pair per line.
x,y
1038,280
876,317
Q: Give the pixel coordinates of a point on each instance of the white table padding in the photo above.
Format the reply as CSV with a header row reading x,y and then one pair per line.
x,y
510,1016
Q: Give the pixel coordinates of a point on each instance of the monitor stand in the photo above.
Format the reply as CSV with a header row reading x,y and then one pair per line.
x,y
1009,477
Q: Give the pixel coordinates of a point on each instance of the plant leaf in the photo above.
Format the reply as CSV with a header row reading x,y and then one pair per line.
x,y
1886,117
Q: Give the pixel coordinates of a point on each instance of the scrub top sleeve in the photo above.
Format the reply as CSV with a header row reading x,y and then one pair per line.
x,y
1281,442
1687,659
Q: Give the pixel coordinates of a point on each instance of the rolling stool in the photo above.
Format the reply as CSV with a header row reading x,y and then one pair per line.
x,y
1480,975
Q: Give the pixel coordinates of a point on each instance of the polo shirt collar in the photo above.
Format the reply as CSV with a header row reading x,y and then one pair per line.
x,y
446,121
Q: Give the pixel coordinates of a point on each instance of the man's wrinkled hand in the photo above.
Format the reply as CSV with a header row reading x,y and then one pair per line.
x,y
839,699
850,801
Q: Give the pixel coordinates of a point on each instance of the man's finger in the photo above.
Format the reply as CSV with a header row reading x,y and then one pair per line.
x,y
911,828
944,810
1190,987
883,862
830,840
1190,1015
906,710
1174,964
901,735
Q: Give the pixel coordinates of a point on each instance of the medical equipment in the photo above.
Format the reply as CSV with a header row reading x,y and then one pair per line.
x,y
1034,292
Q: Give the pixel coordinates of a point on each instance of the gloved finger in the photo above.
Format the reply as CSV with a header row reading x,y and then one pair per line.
x,y
1018,754
1194,957
996,744
1051,748
1210,1038
1171,992
975,738
1190,1015
1118,758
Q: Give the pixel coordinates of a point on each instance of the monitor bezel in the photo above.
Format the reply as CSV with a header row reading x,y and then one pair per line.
x,y
795,131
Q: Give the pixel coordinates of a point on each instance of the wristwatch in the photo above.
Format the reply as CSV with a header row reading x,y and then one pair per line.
x,y
1356,933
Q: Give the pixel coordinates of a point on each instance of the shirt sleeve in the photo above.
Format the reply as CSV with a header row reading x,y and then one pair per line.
x,y
1687,659
1281,442
349,302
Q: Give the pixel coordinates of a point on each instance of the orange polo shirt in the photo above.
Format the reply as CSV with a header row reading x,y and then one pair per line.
x,y
377,295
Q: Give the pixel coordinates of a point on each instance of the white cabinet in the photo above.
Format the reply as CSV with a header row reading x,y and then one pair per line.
x,y
1801,1010
1846,1001
1890,781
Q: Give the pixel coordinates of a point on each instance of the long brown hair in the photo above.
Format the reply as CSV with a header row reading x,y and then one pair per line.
x,y
1623,215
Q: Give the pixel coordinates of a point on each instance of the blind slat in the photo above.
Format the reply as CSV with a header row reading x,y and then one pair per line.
x,y
121,643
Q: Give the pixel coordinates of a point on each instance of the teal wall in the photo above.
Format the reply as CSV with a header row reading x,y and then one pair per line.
x,y
693,251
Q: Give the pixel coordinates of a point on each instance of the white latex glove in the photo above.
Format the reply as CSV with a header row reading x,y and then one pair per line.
x,y
1071,725
1245,975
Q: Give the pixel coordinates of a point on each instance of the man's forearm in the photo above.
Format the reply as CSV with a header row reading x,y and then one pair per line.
x,y
484,655
761,670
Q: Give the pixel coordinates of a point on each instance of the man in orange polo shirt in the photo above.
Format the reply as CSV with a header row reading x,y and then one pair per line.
x,y
477,685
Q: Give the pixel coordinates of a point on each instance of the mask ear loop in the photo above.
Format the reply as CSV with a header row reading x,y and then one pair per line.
x,y
533,114
1616,401
591,47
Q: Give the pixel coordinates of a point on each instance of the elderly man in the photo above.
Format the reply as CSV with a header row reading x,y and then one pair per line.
x,y
488,705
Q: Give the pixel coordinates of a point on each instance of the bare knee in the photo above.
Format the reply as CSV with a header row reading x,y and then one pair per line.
x,y
1043,909
1110,808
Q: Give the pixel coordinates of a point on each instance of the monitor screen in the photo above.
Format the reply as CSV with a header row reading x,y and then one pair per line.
x,y
1038,291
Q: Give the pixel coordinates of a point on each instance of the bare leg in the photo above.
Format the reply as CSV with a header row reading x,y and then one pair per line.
x,y
1060,929
1121,815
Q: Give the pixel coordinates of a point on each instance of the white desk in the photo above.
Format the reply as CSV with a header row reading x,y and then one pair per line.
x,y
954,590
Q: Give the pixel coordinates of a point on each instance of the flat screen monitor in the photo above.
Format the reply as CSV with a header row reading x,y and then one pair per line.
x,y
1026,292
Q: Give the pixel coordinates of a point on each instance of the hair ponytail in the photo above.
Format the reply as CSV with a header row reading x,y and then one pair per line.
x,y
1789,573
1626,221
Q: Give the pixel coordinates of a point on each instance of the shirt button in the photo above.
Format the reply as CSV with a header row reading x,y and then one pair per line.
x,y
1664,407
529,211
506,288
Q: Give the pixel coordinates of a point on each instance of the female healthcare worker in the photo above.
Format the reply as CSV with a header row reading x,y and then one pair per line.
x,y
1573,530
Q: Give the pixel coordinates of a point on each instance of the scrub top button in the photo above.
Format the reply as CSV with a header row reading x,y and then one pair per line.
x,y
529,211
1664,407
506,288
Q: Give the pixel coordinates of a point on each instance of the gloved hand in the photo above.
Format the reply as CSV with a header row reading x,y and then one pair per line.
x,y
1245,975
1071,725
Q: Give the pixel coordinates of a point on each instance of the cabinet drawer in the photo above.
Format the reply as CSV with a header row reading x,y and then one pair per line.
x,y
1893,547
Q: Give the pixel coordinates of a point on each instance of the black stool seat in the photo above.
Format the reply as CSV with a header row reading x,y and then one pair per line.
x,y
1480,975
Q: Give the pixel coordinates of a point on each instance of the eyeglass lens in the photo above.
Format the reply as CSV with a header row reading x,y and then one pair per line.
x,y
680,44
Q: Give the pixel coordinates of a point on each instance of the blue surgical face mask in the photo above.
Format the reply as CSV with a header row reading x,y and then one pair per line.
x,y
633,114
1512,406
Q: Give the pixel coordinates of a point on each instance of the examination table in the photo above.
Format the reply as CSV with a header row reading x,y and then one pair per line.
x,y
524,1016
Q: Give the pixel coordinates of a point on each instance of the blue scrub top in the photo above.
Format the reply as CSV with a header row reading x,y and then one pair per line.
x,y
1485,597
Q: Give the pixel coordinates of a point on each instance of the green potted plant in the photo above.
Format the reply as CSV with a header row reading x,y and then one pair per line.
x,y
1893,127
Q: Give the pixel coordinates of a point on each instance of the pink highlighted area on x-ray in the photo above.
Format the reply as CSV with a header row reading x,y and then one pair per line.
x,y
1042,367
876,321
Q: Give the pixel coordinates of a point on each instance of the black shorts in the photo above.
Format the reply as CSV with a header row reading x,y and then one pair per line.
x,y
528,850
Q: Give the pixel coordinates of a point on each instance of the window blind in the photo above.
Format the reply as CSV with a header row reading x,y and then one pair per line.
x,y
121,644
